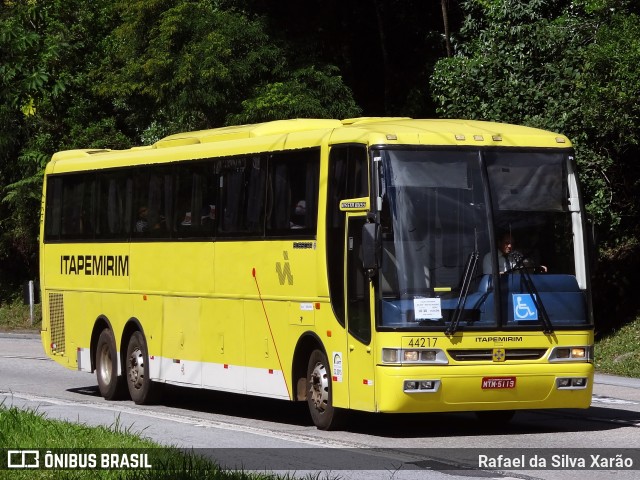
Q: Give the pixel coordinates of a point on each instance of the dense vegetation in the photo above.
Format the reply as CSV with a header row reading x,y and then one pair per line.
x,y
104,73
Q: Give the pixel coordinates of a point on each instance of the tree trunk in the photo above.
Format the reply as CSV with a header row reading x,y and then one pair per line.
x,y
384,53
447,33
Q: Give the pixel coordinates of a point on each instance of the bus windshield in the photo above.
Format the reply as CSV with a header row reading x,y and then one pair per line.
x,y
480,240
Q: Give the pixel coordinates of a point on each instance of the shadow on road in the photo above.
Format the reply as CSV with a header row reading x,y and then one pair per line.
x,y
390,425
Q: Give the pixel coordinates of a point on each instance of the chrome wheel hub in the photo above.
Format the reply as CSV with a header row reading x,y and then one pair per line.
x,y
319,387
136,368
105,364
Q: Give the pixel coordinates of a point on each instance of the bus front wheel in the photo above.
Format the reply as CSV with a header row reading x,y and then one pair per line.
x,y
138,380
111,385
319,396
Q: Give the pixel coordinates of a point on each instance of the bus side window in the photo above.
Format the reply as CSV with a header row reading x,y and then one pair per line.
x,y
205,195
114,205
255,195
184,217
292,206
73,206
195,200
280,188
242,196
153,192
53,215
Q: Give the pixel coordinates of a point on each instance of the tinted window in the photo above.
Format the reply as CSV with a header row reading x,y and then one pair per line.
x,y
195,200
226,197
113,215
292,205
348,178
152,200
242,195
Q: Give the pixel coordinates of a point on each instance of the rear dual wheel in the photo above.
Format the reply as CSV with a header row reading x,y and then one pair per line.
x,y
136,369
111,385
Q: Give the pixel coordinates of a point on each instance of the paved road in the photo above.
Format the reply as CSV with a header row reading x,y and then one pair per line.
x,y
279,434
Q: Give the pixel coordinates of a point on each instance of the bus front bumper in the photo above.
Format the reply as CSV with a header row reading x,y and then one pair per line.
x,y
417,389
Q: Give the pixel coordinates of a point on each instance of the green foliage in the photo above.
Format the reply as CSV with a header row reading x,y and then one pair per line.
x,y
573,67
618,352
31,429
103,74
184,65
307,93
559,67
15,316
46,49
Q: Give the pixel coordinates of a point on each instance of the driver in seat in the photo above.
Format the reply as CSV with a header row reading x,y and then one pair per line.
x,y
507,257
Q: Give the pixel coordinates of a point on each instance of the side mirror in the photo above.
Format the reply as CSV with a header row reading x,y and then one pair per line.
x,y
371,248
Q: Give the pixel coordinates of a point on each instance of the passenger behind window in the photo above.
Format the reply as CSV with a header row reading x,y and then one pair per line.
x,y
207,215
186,221
142,224
298,215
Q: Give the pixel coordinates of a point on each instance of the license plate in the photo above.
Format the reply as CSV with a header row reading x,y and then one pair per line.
x,y
489,383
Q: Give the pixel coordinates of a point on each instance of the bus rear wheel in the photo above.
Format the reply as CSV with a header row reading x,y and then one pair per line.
x,y
111,385
141,388
319,395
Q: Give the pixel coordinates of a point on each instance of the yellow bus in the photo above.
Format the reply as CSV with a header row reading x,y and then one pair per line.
x,y
354,264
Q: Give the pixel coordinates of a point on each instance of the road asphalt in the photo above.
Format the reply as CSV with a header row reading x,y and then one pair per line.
x,y
599,378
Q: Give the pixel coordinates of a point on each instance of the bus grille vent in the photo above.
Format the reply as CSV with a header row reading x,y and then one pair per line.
x,y
56,320
472,355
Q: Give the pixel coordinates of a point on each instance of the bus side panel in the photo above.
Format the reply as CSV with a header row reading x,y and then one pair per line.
x,y
87,267
333,340
172,268
181,349
222,341
265,375
73,276
274,281
148,310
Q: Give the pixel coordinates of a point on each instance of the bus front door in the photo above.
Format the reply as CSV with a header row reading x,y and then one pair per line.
x,y
360,348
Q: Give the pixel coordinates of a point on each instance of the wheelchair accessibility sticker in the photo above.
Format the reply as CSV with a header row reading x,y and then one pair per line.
x,y
524,307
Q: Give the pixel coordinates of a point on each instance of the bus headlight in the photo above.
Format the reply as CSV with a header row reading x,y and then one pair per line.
x,y
571,383
571,354
421,386
414,356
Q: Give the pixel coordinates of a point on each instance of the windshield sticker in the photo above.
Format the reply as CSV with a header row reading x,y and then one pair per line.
x,y
427,308
524,307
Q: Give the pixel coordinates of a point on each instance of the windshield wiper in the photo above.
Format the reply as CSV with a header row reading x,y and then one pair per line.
x,y
469,273
533,291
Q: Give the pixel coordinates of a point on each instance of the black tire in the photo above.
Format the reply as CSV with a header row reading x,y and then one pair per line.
x,y
141,388
111,385
319,393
